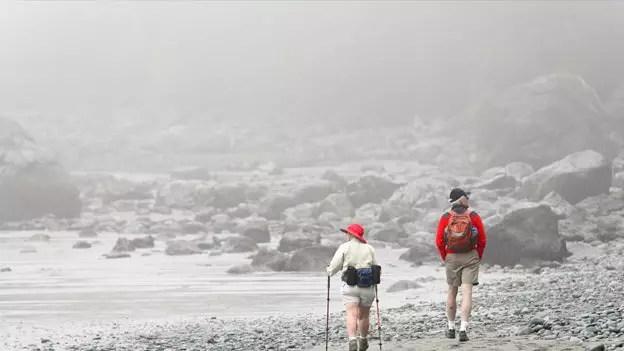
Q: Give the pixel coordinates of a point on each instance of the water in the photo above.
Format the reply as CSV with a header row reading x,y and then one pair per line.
x,y
60,286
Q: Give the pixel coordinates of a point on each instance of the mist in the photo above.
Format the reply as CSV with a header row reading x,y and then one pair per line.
x,y
177,175
358,62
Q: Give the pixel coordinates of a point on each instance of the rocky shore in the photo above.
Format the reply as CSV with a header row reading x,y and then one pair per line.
x,y
575,305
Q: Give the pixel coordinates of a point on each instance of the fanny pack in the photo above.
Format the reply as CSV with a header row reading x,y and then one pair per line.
x,y
363,277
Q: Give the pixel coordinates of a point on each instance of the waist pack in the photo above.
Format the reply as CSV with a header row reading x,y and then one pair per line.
x,y
363,277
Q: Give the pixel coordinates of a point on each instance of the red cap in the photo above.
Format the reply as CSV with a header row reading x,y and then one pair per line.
x,y
356,230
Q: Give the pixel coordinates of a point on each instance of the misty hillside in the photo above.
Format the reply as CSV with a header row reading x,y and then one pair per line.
x,y
108,76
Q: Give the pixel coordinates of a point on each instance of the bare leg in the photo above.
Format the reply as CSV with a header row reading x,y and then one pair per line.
x,y
451,303
363,320
352,318
466,305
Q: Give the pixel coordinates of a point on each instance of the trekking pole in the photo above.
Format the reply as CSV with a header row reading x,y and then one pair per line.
x,y
327,319
378,318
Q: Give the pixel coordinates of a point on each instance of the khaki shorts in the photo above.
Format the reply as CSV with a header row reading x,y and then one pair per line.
x,y
354,294
462,268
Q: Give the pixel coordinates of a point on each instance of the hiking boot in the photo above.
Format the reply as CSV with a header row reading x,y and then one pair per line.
x,y
463,336
353,345
363,344
450,333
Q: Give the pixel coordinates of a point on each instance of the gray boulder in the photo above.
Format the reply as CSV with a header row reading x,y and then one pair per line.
x,y
239,244
519,124
295,240
525,235
181,248
370,188
32,182
273,206
81,245
257,230
339,204
310,259
272,259
575,177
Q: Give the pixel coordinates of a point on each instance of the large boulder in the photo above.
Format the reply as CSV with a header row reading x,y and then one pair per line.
x,y
239,244
310,259
273,206
225,196
269,258
181,248
370,188
575,177
527,122
257,229
314,191
339,204
32,182
295,240
525,235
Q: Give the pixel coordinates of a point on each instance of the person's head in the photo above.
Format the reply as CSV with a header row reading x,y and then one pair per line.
x,y
354,231
460,197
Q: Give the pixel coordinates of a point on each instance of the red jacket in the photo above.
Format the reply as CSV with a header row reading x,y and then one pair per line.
x,y
476,222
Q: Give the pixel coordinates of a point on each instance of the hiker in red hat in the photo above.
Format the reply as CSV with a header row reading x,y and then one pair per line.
x,y
355,259
461,241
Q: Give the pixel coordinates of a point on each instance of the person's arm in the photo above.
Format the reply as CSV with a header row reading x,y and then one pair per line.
x,y
374,256
440,236
336,263
481,237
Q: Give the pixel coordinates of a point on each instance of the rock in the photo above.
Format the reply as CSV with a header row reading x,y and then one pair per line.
x,y
392,232
32,182
272,259
601,205
204,215
295,240
239,244
339,204
526,234
313,192
403,285
143,243
183,194
334,177
193,227
424,251
370,188
575,177
123,245
221,223
127,245
241,211
258,231
208,242
240,269
40,238
87,233
82,245
181,248
368,213
191,173
114,255
617,165
273,206
518,125
5,269
302,212
225,196
310,259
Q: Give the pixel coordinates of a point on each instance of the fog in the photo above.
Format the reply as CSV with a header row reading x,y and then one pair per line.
x,y
174,174
293,61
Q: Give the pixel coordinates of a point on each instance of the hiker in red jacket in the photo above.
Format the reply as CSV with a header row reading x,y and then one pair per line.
x,y
461,241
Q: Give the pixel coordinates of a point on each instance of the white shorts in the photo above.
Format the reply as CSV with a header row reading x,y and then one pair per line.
x,y
354,294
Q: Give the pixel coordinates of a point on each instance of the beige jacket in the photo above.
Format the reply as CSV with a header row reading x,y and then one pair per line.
x,y
352,253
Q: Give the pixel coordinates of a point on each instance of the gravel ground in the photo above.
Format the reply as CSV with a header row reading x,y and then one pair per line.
x,y
573,306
